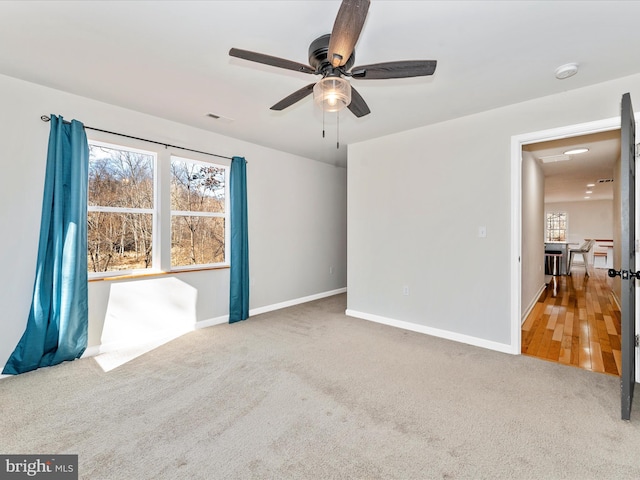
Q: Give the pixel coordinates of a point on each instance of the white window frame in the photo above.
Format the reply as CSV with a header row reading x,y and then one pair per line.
x,y
224,215
155,234
161,211
546,226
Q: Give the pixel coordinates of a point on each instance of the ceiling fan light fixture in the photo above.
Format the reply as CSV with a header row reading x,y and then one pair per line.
x,y
332,94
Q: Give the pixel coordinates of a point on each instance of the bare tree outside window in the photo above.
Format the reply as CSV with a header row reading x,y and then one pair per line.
x,y
198,216
120,209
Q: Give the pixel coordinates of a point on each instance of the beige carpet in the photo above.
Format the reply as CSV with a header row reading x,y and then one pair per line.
x,y
307,392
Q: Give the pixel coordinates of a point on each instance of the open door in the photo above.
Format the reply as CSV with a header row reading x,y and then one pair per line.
x,y
627,216
628,256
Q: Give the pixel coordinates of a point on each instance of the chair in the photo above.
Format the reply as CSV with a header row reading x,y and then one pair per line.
x,y
553,260
599,254
584,250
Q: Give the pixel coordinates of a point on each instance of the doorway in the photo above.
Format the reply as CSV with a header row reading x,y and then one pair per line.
x,y
519,306
626,266
567,199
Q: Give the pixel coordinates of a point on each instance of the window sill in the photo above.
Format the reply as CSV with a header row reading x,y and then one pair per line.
x,y
130,276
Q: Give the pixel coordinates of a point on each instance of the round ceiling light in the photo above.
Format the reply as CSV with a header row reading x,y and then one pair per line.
x,y
566,71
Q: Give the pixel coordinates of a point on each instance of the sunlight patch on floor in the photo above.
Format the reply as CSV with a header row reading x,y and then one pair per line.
x,y
142,315
110,360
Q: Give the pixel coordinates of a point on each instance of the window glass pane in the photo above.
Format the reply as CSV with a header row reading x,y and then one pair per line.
x,y
119,241
120,178
196,240
197,187
556,228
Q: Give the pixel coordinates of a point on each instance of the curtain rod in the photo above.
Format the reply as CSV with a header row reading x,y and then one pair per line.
x,y
45,118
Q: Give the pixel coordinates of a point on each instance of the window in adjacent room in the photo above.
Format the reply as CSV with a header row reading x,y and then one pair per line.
x,y
198,213
556,228
121,209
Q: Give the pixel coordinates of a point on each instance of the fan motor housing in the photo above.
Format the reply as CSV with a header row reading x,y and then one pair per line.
x,y
318,54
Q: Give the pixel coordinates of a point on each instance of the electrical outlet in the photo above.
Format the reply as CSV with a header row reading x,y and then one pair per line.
x,y
405,290
482,232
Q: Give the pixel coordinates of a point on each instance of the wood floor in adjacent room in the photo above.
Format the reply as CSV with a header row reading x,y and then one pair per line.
x,y
576,322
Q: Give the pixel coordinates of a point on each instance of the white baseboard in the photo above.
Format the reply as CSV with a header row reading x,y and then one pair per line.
x,y
163,336
210,322
91,351
532,304
270,308
296,301
435,332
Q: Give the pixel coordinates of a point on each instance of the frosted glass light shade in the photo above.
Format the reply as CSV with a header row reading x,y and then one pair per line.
x,y
332,94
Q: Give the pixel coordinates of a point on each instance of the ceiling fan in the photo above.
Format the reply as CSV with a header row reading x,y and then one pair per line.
x,y
332,56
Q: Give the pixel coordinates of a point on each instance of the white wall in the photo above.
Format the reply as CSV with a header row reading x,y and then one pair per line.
x,y
297,215
532,265
417,198
586,219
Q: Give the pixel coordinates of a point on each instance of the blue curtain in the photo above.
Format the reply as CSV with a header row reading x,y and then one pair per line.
x,y
57,324
239,291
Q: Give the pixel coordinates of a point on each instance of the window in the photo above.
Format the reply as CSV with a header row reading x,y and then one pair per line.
x,y
150,211
198,213
556,229
121,208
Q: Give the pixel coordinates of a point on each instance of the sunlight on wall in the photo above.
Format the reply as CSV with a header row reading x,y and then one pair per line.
x,y
142,315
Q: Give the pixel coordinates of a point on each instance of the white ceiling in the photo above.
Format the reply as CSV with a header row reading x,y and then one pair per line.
x,y
170,59
567,180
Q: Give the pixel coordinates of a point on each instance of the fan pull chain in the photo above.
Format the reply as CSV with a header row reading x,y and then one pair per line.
x,y
323,122
322,85
338,130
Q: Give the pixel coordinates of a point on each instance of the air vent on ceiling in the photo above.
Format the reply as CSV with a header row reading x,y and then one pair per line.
x,y
215,116
555,158
605,180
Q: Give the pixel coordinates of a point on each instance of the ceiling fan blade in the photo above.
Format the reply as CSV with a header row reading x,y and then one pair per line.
x,y
358,106
294,97
269,60
346,30
401,69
